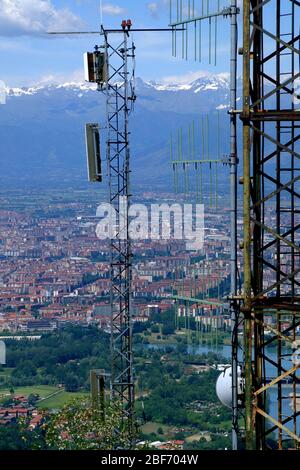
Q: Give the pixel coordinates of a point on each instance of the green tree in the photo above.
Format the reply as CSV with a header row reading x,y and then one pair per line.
x,y
71,383
17,436
10,438
32,399
155,329
80,427
168,328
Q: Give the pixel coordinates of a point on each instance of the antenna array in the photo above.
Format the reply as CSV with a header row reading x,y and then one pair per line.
x,y
195,151
200,28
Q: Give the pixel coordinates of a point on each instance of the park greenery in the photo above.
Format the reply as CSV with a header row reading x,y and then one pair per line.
x,y
168,391
62,357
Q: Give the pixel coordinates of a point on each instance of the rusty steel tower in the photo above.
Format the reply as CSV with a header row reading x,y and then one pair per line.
x,y
271,210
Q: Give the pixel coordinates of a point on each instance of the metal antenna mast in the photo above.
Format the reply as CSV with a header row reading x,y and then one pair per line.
x,y
120,95
197,14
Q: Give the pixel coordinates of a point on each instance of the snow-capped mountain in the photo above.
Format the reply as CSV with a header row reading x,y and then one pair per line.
x,y
203,83
30,91
41,127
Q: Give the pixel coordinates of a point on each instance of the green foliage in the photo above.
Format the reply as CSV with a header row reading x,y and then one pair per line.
x,y
168,329
11,438
139,327
32,399
173,397
18,437
170,397
6,402
71,383
80,427
217,442
166,319
65,356
154,329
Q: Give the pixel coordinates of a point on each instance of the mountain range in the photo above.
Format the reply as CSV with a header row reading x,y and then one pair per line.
x,y
42,127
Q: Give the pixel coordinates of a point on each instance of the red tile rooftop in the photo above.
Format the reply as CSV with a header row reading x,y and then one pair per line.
x,y
36,419
14,411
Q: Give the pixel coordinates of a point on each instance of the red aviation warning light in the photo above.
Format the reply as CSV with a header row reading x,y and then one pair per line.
x,y
126,25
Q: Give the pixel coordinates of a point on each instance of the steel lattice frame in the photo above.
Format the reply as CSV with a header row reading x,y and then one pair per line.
x,y
271,135
119,98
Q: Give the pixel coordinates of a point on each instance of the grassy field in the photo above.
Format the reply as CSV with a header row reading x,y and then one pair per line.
x,y
169,432
152,427
50,397
42,390
59,400
168,340
197,437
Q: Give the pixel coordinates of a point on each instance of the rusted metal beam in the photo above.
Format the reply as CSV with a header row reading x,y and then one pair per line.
x,y
277,379
278,424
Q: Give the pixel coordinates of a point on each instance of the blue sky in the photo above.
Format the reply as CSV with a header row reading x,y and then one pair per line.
x,y
28,56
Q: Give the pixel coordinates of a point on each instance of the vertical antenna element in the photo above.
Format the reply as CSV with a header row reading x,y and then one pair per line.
x,y
206,15
101,13
198,158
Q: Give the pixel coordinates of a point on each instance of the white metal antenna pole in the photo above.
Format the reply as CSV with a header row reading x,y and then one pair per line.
x,y
101,12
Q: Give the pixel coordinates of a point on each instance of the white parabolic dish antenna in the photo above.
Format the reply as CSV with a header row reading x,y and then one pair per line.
x,y
224,386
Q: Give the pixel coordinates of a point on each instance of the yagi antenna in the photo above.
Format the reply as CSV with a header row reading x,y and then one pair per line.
x,y
193,153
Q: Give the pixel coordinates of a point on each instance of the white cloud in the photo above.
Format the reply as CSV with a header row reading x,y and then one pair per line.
x,y
29,17
77,76
114,10
153,7
156,7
